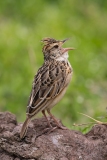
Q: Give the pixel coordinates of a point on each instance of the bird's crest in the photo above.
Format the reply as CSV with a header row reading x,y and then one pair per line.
x,y
48,41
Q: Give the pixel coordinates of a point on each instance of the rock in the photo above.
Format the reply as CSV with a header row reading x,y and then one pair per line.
x,y
57,145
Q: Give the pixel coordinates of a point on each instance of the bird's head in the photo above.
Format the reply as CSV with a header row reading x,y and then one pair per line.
x,y
53,48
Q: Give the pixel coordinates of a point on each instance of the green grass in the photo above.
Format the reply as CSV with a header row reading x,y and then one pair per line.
x,y
24,23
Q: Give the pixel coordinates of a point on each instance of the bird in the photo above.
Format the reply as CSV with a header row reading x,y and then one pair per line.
x,y
50,83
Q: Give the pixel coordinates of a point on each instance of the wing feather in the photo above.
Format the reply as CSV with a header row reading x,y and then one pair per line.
x,y
47,84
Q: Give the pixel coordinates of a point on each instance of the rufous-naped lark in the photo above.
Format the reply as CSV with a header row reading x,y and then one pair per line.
x,y
50,82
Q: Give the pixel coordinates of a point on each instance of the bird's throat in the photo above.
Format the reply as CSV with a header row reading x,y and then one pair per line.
x,y
63,57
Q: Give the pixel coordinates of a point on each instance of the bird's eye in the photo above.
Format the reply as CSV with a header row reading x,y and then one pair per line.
x,y
56,46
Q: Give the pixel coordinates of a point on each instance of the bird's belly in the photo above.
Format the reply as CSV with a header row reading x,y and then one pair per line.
x,y
61,94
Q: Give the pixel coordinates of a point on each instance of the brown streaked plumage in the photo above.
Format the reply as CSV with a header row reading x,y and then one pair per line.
x,y
50,82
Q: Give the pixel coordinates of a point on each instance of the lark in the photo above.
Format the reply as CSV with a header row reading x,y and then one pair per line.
x,y
50,83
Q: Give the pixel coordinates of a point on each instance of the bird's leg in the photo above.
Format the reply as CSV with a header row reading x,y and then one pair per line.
x,y
43,112
57,123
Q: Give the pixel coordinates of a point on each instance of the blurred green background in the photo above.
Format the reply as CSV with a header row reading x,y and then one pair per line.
x,y
24,23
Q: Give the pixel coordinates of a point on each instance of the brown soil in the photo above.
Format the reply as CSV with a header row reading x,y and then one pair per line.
x,y
57,145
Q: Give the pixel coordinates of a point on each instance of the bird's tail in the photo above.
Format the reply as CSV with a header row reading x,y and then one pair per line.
x,y
24,128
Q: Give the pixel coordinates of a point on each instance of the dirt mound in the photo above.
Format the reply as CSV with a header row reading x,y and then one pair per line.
x,y
57,145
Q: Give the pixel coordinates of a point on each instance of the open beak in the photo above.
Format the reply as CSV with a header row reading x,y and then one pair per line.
x,y
65,49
